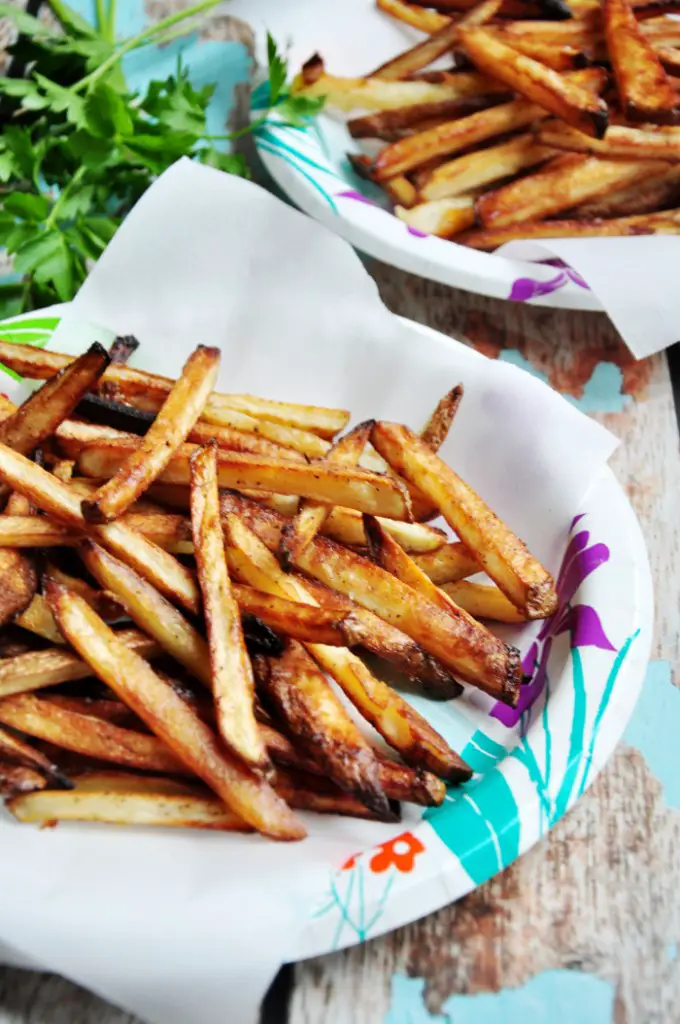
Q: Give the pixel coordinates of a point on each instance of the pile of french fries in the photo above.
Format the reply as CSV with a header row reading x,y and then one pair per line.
x,y
189,579
556,118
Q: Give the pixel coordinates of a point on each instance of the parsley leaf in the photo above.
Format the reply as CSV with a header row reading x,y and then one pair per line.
x,y
278,70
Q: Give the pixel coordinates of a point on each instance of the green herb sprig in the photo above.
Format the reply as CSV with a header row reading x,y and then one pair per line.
x,y
78,148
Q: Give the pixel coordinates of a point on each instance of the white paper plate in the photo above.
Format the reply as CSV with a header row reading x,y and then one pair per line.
x,y
589,659
311,166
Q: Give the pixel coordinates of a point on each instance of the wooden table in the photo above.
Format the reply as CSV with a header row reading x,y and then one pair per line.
x,y
589,919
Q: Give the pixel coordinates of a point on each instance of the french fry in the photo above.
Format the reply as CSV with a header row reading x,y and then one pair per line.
x,y
104,603
150,611
37,364
123,348
345,525
460,643
18,751
536,82
667,222
645,90
630,143
16,780
448,564
307,792
58,500
485,166
436,430
402,727
376,94
564,182
483,602
299,621
670,59
658,191
175,419
559,57
312,515
166,714
168,531
312,713
113,711
18,583
416,17
401,190
113,807
352,488
444,218
500,553
36,670
439,43
88,735
386,124
38,619
231,674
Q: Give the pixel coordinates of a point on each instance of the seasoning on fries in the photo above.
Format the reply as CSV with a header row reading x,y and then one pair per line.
x,y
224,705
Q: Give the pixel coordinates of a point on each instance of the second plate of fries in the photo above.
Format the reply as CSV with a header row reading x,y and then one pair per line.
x,y
455,127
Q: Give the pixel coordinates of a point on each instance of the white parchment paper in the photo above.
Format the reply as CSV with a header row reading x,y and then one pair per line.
x,y
186,927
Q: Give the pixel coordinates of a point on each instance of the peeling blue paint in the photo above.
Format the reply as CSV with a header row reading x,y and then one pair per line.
x,y
653,729
602,393
553,997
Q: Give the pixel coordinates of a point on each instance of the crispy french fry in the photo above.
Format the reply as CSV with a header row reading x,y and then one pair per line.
x,y
630,143
87,735
18,751
166,714
670,58
312,515
645,90
170,532
402,727
401,190
352,488
299,621
36,670
307,792
485,166
445,218
416,17
16,780
150,610
310,710
667,222
376,94
483,602
123,348
436,430
18,583
502,555
113,711
115,807
103,602
536,82
175,419
231,674
564,182
559,57
58,500
345,525
448,564
38,619
658,191
387,124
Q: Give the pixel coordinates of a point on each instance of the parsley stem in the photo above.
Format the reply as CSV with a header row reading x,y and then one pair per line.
x,y
112,21
61,198
140,39
102,20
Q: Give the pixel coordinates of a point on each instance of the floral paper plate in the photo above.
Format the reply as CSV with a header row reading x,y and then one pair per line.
x,y
310,163
532,765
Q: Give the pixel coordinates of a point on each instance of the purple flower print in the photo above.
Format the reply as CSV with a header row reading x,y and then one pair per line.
x,y
581,621
526,288
357,196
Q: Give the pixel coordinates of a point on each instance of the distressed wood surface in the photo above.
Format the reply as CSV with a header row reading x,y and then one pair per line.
x,y
596,895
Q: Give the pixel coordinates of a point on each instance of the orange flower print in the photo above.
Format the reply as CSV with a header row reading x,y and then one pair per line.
x,y
350,862
400,853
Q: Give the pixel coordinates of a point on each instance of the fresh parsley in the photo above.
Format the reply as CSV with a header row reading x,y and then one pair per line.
x,y
78,148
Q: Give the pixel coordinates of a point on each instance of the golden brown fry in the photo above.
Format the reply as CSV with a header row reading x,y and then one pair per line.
x,y
559,57
175,419
444,218
501,554
35,670
376,94
18,583
150,611
299,621
416,17
396,721
113,711
167,715
104,603
391,124
304,701
485,166
454,638
231,674
312,514
667,222
448,564
117,807
38,619
536,82
16,780
401,190
18,751
658,191
670,58
353,488
645,91
171,532
484,602
345,525
631,143
58,500
564,182
87,735
306,792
